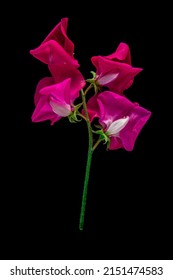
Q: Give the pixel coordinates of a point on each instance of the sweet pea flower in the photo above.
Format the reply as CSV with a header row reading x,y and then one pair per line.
x,y
115,71
53,101
121,120
57,47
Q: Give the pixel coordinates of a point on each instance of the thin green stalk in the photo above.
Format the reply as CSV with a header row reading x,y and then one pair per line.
x,y
83,117
88,165
88,88
96,144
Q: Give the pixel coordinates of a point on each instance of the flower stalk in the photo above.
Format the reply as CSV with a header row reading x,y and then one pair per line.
x,y
88,165
119,120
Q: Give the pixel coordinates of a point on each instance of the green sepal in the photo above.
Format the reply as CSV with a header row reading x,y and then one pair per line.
x,y
102,136
98,126
94,83
76,107
93,73
92,80
74,116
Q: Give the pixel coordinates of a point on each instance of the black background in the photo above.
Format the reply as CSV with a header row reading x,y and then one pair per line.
x,y
128,213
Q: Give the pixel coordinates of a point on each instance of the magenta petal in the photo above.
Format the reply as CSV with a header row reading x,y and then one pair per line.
x,y
59,35
121,54
63,92
110,107
124,79
93,108
139,116
59,91
43,111
53,52
61,72
41,84
116,65
54,101
115,143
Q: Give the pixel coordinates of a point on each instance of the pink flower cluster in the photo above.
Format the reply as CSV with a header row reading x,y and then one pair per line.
x,y
120,120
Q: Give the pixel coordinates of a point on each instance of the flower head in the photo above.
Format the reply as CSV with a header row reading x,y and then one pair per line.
x,y
121,120
53,101
115,71
57,47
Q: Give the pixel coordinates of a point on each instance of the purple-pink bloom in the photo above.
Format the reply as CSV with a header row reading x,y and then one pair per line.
x,y
53,101
57,47
57,51
121,119
115,71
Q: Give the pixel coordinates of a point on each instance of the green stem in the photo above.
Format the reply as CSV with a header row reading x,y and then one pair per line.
x,y
88,165
96,144
88,88
83,117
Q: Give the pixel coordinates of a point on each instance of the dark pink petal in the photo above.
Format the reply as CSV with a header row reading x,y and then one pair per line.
x,y
43,111
115,71
41,84
93,108
122,54
60,92
110,107
61,72
124,74
52,52
59,35
54,101
139,116
115,143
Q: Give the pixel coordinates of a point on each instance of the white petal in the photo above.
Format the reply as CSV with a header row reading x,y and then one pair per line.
x,y
60,110
117,126
107,78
